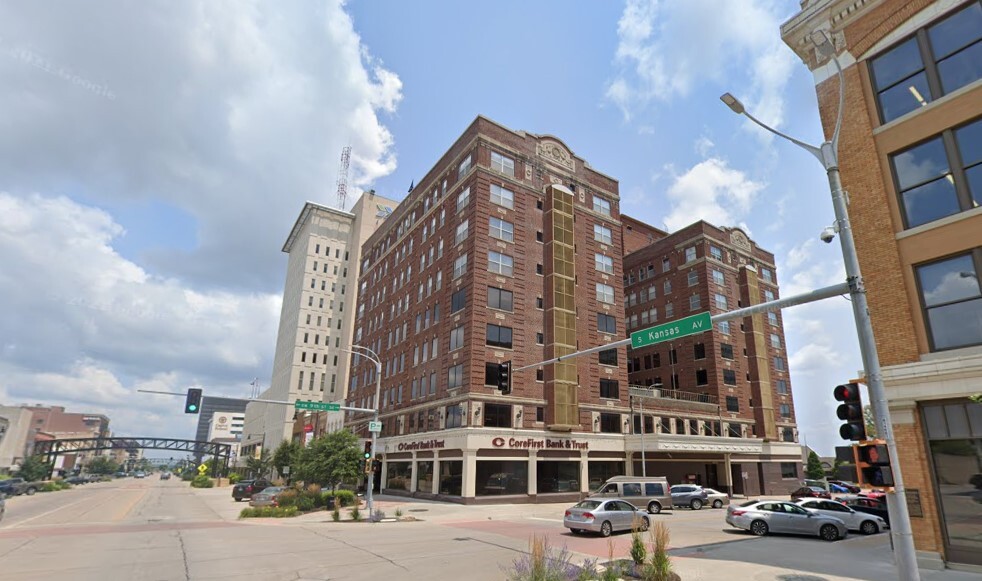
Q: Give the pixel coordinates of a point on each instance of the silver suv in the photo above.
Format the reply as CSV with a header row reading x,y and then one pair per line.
x,y
690,495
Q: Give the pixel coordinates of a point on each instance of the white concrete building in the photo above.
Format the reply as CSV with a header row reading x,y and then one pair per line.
x,y
317,318
225,425
15,436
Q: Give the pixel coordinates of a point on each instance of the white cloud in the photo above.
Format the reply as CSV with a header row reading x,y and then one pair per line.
x,y
704,146
665,49
710,191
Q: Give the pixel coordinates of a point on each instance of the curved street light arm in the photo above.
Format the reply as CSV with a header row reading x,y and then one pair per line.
x,y
807,147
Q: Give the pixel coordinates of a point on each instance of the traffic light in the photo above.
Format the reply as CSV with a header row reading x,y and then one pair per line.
x,y
192,404
504,377
877,471
368,449
851,411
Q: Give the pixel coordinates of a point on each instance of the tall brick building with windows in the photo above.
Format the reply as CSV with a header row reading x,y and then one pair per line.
x,y
509,249
911,159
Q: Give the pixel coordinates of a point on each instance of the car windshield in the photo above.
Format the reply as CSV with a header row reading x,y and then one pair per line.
x,y
272,490
587,504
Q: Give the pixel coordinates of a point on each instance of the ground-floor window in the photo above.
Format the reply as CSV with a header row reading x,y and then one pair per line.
x,y
424,476
501,477
398,475
954,431
557,477
602,471
451,477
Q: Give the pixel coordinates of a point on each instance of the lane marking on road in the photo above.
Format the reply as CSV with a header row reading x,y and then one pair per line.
x,y
545,519
52,511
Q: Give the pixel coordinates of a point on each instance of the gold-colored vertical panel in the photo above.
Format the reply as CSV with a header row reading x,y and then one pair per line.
x,y
561,389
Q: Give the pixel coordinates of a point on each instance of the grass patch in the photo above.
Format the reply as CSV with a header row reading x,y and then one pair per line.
x,y
269,512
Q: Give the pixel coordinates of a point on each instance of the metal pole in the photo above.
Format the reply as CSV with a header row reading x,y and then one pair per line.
x,y
905,556
371,475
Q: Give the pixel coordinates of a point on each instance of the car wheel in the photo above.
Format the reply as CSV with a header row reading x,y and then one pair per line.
x,y
576,531
31,491
654,507
717,503
759,528
606,529
238,500
829,533
644,524
869,528
696,504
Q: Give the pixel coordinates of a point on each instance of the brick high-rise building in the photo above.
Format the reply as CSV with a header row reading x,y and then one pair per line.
x,y
509,249
911,159
731,382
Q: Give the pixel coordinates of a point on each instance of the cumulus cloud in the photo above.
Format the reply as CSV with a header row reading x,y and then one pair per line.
x,y
710,191
666,48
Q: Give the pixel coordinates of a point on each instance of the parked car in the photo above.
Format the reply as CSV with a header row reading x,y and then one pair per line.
x,y
874,494
18,486
690,495
505,483
266,497
139,474
810,492
762,517
604,516
651,492
244,489
165,475
120,474
716,498
77,480
849,487
868,524
867,505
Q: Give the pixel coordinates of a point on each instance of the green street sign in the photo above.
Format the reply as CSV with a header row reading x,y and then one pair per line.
x,y
317,406
691,325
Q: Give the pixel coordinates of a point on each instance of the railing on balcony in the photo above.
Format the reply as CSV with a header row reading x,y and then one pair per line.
x,y
674,394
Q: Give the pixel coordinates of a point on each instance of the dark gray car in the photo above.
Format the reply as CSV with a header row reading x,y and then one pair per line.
x,y
690,495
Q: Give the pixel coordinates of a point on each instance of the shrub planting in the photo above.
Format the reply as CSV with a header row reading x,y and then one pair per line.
x,y
269,512
202,481
355,514
287,498
345,497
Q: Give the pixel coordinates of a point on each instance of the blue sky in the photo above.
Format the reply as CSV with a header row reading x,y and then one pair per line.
x,y
152,164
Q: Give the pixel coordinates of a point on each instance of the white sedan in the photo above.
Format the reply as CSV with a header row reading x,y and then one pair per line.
x,y
716,498
868,524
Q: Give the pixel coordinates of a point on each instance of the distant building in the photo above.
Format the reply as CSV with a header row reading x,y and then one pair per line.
x,y
320,294
53,422
910,154
210,406
15,440
225,425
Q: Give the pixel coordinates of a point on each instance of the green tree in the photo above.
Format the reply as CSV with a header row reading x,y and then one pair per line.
x,y
34,468
258,466
814,470
330,460
870,421
102,465
286,454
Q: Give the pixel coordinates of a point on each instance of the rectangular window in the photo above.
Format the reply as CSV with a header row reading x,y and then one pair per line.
x,y
702,377
766,275
669,310
782,387
720,300
610,423
605,293
779,364
460,266
666,265
789,470
462,231
457,338
603,263
699,351
539,338
502,230
609,389
608,357
498,336
602,234
772,319
463,198
951,300
601,206
718,277
606,323
694,303
785,410
715,252
497,415
732,404
502,197
458,300
693,278
465,166
455,377
500,163
726,351
690,254
455,416
724,327
500,263
729,377
499,298
775,341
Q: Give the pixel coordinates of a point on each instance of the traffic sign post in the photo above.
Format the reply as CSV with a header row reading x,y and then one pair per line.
x,y
374,427
691,325
317,406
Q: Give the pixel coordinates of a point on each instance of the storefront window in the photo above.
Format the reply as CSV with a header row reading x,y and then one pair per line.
x,y
502,477
398,475
424,476
955,434
557,477
451,477
600,472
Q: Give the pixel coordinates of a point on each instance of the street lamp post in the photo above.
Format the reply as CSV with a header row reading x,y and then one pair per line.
x,y
374,358
905,555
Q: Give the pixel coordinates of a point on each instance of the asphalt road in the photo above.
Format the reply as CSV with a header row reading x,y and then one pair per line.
x,y
163,530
